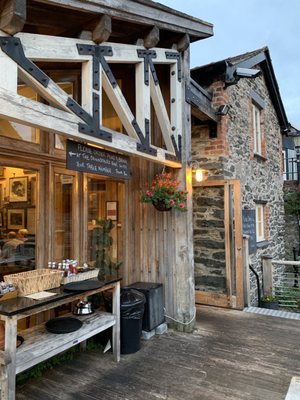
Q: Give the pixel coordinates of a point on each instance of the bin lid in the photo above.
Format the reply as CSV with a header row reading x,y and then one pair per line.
x,y
130,297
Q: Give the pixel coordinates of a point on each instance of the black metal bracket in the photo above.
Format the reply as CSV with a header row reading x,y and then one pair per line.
x,y
13,48
178,150
144,146
91,126
92,123
98,53
170,55
148,55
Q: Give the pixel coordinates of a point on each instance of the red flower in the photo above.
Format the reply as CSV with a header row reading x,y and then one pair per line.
x,y
172,201
181,205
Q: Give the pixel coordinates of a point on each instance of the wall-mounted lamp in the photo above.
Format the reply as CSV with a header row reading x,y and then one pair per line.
x,y
247,72
198,171
223,110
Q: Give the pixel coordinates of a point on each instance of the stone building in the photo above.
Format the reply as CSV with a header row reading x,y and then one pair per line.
x,y
237,129
291,177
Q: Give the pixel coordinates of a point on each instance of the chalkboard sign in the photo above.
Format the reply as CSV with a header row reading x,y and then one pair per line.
x,y
249,228
85,158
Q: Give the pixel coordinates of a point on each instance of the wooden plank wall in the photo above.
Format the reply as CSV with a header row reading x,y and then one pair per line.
x,y
149,235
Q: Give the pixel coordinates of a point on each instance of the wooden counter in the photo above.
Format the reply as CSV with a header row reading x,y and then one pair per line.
x,y
39,344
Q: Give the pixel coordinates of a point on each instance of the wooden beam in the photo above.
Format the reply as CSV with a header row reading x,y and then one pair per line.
x,y
8,73
161,114
211,299
183,43
31,113
120,105
152,38
138,12
142,95
200,99
238,244
13,15
103,30
85,35
176,102
53,48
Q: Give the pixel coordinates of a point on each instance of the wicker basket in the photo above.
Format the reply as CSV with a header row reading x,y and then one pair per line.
x,y
81,276
35,281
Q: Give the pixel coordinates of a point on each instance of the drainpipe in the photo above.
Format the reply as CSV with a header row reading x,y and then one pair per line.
x,y
257,282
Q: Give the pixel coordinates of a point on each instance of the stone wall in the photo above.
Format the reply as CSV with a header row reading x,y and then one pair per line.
x,y
292,228
260,177
209,233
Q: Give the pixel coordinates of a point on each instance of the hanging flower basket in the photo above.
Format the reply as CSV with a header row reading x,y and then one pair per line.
x,y
161,206
164,194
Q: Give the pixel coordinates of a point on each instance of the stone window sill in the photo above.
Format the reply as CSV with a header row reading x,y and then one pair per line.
x,y
263,244
260,157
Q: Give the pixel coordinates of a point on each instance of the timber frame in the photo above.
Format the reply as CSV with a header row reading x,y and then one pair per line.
x,y
131,59
79,36
83,121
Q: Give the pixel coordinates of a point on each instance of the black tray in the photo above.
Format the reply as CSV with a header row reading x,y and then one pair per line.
x,y
63,325
82,286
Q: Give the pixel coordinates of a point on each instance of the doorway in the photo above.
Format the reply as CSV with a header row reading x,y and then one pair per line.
x,y
218,243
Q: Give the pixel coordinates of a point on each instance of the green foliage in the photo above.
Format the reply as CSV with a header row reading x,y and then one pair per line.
x,y
269,297
69,355
102,241
37,370
164,189
292,202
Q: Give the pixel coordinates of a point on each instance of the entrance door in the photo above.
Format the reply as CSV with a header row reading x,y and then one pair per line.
x,y
218,243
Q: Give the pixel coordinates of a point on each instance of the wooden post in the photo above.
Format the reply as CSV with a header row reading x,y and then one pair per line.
x,y
183,270
267,278
116,327
102,31
246,262
152,38
10,348
12,16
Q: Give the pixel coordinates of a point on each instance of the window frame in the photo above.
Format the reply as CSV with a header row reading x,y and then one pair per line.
x,y
259,222
257,132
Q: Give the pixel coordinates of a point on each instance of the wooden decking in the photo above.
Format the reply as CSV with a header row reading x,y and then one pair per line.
x,y
232,355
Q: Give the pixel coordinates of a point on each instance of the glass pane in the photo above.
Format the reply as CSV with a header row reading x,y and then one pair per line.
x,y
63,227
61,141
18,131
103,225
17,220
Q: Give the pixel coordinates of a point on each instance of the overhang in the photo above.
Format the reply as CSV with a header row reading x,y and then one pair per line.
x,y
128,20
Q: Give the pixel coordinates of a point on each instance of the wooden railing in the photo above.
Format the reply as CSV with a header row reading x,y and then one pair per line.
x,y
286,284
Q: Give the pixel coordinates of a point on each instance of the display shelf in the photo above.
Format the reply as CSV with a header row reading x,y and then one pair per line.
x,y
39,344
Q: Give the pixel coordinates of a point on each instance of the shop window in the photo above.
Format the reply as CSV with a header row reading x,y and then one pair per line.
x,y
17,219
18,131
105,204
61,141
63,220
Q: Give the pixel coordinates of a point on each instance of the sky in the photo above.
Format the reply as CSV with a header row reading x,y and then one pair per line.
x,y
242,26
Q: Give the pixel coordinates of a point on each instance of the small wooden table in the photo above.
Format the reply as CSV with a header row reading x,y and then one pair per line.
x,y
39,345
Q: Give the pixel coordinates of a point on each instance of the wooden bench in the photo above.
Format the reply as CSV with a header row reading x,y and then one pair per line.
x,y
39,344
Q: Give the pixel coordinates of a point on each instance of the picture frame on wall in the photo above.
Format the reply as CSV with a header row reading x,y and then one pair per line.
x,y
15,218
112,210
18,189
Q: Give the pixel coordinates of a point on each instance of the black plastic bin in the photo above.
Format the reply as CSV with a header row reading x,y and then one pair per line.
x,y
154,314
132,310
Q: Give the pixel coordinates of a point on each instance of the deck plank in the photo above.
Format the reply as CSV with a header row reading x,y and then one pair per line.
x,y
232,355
